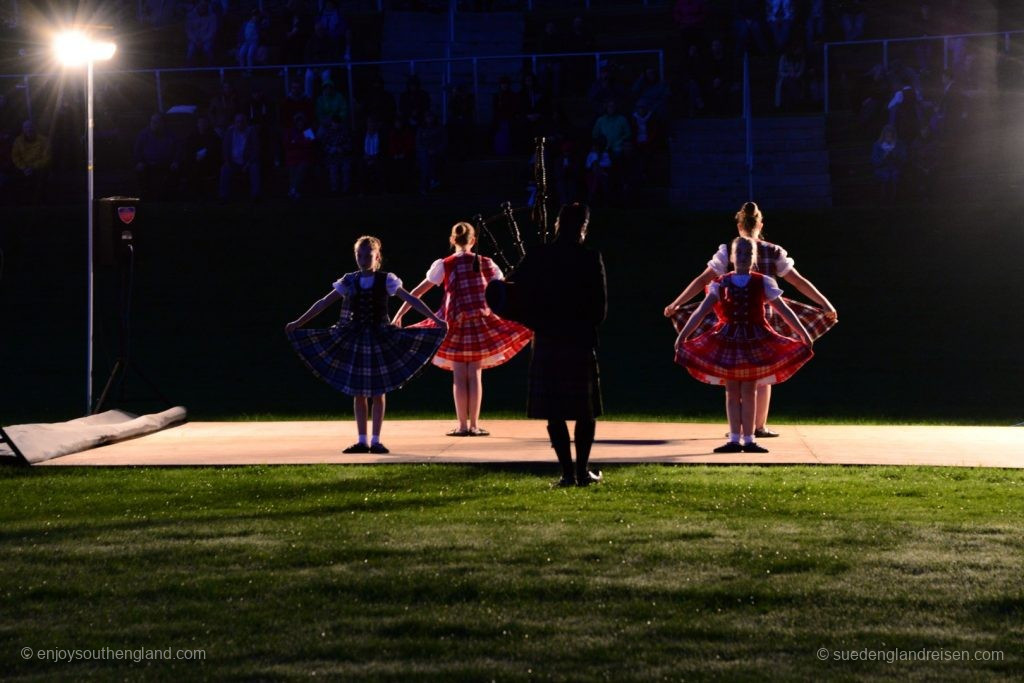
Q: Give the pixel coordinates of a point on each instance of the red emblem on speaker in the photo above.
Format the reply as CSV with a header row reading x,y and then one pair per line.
x,y
126,214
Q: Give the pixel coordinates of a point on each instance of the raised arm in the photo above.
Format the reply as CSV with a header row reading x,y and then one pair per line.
x,y
692,290
805,287
313,311
415,303
696,317
791,318
420,289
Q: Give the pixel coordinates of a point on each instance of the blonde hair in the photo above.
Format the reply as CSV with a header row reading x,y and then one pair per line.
x,y
753,251
749,219
374,245
462,234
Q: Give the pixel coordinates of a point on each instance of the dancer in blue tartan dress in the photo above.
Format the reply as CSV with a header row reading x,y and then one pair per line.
x,y
364,355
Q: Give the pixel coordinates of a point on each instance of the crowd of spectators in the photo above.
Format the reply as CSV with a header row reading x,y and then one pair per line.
x,y
604,131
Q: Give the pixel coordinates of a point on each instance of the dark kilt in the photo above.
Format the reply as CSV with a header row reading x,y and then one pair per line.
x,y
814,319
366,360
565,382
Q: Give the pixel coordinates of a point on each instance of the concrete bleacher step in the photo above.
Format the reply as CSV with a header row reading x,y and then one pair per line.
x,y
791,162
424,35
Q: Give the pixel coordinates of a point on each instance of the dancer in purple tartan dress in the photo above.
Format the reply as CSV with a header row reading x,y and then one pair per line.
x,y
364,355
742,351
771,260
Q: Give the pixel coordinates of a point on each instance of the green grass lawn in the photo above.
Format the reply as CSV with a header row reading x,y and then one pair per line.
x,y
481,573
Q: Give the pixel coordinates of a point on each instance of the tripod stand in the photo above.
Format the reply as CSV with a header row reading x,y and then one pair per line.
x,y
124,363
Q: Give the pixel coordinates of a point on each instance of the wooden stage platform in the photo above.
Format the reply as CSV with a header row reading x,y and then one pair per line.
x,y
518,441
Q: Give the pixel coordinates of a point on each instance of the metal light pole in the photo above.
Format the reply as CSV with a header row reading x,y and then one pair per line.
x,y
75,48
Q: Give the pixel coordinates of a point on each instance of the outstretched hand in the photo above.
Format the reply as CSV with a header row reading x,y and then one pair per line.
x,y
670,310
291,327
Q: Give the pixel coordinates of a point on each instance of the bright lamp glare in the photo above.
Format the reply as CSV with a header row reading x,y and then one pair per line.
x,y
74,48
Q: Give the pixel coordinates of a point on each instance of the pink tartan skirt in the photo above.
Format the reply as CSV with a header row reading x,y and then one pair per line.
x,y
814,319
742,353
479,338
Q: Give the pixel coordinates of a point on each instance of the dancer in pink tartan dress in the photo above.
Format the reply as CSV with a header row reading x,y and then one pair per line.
x,y
477,338
742,351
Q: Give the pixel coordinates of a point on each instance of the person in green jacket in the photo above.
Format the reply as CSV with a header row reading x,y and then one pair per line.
x,y
614,128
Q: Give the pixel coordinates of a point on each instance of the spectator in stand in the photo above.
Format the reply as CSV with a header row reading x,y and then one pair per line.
x,y
414,102
888,156
200,32
202,159
372,152
30,155
613,128
789,83
551,42
604,88
337,28
578,70
506,111
816,21
223,108
296,103
299,29
534,107
951,112
330,103
156,157
722,85
431,144
690,81
262,114
461,122
566,173
851,17
653,91
251,35
298,144
781,15
647,139
241,153
598,165
321,49
379,103
903,109
691,17
924,160
401,157
749,26
336,144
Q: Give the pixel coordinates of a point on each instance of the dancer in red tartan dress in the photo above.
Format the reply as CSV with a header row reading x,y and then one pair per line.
x,y
771,260
742,351
477,338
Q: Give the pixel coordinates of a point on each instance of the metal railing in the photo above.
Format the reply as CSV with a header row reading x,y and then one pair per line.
x,y
885,42
348,67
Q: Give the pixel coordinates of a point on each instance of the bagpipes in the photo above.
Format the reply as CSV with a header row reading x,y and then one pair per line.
x,y
507,298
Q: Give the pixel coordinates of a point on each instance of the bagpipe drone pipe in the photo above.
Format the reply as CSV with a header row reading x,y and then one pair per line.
x,y
500,235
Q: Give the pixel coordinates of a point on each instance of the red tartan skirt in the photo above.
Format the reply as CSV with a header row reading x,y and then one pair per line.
x,y
815,319
743,352
479,337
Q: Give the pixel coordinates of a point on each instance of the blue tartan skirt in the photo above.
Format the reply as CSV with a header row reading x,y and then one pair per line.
x,y
366,360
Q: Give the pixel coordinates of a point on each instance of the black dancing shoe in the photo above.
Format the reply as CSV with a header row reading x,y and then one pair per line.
x,y
379,448
765,433
752,447
357,448
589,478
564,482
731,447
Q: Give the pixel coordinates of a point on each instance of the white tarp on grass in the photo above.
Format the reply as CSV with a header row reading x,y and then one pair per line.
x,y
40,442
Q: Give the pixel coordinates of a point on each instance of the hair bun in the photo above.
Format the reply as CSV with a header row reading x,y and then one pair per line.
x,y
750,208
